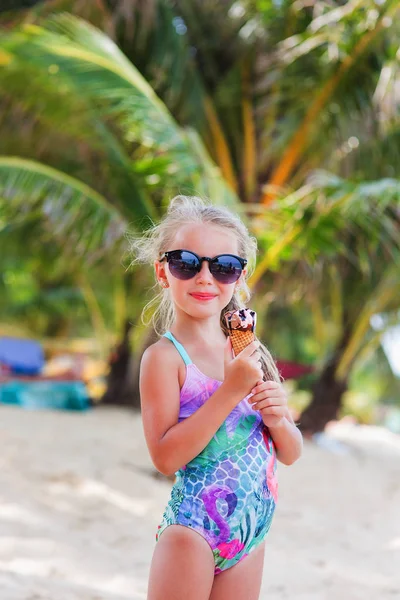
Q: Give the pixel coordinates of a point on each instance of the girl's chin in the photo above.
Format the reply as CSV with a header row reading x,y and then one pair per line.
x,y
197,309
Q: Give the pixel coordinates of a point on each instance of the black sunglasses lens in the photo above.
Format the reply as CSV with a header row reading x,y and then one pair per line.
x,y
226,269
183,265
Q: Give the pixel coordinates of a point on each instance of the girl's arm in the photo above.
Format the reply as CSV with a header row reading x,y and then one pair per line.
x,y
172,444
269,397
288,441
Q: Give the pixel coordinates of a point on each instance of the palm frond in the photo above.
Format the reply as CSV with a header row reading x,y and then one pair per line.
x,y
76,215
378,302
334,58
318,222
81,57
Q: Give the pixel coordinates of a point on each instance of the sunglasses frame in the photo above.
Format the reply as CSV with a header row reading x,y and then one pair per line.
x,y
201,259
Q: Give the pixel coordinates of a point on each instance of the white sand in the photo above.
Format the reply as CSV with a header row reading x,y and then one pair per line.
x,y
79,508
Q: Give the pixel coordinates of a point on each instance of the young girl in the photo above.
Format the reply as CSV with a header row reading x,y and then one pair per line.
x,y
209,417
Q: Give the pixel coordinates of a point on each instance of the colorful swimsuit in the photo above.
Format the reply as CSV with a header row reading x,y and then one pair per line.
x,y
227,493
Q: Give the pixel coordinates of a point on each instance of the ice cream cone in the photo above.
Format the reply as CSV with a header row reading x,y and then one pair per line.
x,y
241,339
241,325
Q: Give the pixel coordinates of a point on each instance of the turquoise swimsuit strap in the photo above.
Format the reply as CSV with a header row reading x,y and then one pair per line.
x,y
179,347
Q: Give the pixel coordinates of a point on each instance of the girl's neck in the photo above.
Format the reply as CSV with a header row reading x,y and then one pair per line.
x,y
187,328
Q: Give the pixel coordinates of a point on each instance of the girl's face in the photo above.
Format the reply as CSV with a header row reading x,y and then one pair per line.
x,y
202,296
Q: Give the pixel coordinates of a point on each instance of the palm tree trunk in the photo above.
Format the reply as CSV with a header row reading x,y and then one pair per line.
x,y
325,404
123,377
120,389
328,392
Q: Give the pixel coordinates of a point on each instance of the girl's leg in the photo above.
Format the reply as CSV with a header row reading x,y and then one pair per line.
x,y
182,567
243,581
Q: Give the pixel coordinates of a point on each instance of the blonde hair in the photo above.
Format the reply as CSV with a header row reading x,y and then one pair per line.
x,y
158,238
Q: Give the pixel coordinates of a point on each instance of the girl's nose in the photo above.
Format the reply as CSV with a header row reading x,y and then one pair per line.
x,y
204,274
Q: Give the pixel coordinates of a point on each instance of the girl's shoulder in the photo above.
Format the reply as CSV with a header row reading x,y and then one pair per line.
x,y
161,350
162,356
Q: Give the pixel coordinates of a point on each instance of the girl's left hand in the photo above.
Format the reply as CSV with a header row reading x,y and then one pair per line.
x,y
269,397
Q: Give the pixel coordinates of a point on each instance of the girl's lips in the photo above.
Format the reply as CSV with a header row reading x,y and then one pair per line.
x,y
199,296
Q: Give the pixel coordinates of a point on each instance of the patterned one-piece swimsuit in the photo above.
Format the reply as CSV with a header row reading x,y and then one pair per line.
x,y
227,493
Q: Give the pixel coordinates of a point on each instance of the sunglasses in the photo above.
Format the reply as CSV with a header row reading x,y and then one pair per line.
x,y
183,264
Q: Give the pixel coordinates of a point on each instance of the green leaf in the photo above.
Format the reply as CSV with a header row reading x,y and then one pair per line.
x,y
75,214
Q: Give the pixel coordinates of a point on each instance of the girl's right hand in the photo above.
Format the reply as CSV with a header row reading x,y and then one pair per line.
x,y
243,371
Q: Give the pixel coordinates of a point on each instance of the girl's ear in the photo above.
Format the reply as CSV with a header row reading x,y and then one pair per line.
x,y
160,273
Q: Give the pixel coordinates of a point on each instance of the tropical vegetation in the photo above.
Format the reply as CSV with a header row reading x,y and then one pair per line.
x,y
287,112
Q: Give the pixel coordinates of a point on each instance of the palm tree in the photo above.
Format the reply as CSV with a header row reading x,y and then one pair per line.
x,y
255,105
343,270
122,150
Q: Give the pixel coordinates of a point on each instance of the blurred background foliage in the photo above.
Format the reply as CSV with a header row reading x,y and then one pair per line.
x,y
288,112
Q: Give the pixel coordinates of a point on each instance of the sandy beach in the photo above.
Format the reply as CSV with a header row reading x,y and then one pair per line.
x,y
80,505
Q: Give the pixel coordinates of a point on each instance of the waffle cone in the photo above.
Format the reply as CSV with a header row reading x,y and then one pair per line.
x,y
240,339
